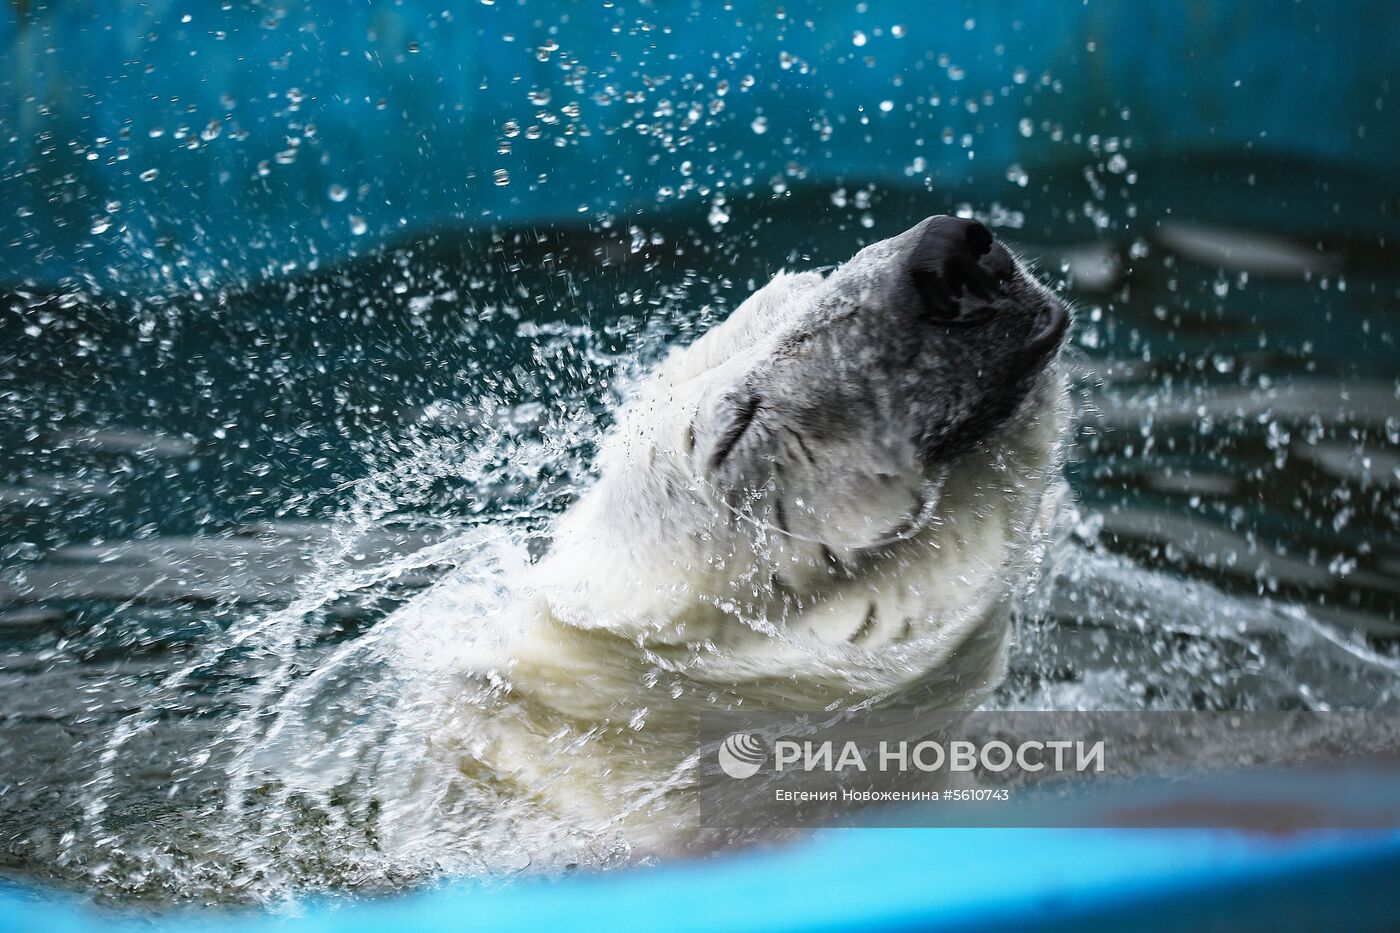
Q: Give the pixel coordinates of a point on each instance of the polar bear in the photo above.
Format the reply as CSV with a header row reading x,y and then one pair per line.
x,y
831,498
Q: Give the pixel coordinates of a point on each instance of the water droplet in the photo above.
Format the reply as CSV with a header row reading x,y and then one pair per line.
x,y
718,215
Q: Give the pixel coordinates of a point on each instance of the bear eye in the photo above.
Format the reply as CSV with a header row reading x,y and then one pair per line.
x,y
744,414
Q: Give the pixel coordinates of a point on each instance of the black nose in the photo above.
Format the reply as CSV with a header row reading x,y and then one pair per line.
x,y
957,268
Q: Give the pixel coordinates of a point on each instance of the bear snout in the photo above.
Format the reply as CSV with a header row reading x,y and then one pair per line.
x,y
958,269
1048,333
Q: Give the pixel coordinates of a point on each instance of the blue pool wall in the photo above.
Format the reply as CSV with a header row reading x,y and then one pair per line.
x,y
203,143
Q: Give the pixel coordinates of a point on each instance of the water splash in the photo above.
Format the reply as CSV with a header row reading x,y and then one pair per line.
x,y
258,712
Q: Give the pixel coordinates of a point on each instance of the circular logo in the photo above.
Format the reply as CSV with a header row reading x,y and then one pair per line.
x,y
741,755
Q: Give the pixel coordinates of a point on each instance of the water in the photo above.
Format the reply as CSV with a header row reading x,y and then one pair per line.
x,y
214,504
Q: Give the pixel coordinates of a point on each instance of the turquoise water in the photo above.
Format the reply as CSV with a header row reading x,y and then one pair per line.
x,y
211,500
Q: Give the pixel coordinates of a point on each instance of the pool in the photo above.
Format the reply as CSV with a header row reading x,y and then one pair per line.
x,y
306,309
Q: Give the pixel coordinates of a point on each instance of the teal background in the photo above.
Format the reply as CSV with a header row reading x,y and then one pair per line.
x,y
405,104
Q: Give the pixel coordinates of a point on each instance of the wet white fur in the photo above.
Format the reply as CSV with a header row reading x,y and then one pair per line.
x,y
657,601
663,573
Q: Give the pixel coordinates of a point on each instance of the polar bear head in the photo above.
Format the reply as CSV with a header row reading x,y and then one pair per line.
x,y
919,346
890,426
